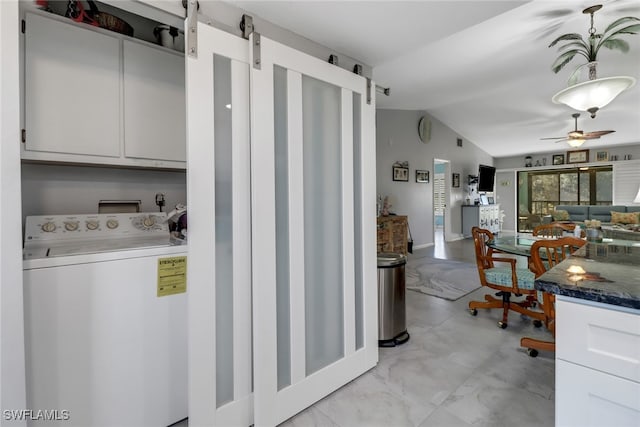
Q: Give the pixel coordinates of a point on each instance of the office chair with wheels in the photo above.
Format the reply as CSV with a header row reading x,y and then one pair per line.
x,y
507,281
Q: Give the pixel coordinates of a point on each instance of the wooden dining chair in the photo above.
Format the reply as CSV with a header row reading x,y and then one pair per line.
x,y
550,230
508,281
545,254
556,229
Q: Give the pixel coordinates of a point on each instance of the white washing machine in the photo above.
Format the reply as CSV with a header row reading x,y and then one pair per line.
x,y
102,347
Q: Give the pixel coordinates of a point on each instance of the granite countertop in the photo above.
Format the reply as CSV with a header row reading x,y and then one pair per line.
x,y
611,274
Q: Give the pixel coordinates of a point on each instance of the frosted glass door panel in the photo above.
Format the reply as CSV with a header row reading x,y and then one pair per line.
x,y
357,218
282,225
321,104
224,228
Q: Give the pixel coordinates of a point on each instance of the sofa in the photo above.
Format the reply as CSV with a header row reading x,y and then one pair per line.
x,y
579,213
602,213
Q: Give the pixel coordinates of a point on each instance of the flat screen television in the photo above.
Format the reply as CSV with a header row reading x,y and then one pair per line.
x,y
486,177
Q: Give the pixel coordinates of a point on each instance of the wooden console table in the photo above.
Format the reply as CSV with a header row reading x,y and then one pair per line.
x,y
392,234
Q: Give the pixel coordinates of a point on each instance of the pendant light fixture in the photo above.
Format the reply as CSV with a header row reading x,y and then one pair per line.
x,y
595,93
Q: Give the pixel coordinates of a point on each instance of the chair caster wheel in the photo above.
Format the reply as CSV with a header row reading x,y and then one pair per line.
x,y
532,352
537,323
473,311
502,325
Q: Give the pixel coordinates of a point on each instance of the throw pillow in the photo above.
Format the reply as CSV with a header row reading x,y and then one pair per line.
x,y
624,217
560,215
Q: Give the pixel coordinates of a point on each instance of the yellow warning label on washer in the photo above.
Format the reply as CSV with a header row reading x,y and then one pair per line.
x,y
172,276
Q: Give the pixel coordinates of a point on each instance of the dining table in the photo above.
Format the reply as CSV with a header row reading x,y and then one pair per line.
x,y
520,244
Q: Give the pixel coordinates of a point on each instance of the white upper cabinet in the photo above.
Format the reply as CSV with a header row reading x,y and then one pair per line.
x,y
154,103
72,89
93,96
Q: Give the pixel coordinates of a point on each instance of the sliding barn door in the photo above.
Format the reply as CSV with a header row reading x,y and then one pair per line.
x,y
313,229
219,262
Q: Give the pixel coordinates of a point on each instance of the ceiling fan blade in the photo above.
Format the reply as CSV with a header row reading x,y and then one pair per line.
x,y
597,133
555,137
562,140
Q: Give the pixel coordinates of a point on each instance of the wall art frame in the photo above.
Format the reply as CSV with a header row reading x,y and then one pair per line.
x,y
422,176
400,173
578,156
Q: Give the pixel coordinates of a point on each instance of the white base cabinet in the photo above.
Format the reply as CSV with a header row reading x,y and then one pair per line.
x,y
97,97
597,364
486,216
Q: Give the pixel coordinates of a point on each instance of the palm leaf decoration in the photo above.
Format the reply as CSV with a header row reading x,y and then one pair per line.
x,y
589,49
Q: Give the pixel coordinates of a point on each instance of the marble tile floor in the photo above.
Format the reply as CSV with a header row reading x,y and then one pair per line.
x,y
456,370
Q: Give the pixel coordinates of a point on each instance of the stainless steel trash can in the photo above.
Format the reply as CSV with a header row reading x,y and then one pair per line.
x,y
392,313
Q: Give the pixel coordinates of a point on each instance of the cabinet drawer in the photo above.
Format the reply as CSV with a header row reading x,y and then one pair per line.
x,y
600,338
589,398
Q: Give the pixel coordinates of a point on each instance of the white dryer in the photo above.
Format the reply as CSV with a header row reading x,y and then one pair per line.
x,y
101,344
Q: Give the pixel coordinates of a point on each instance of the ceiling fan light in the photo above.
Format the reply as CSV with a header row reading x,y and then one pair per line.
x,y
593,94
575,143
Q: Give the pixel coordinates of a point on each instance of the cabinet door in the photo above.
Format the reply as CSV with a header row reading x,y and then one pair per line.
x,y
72,89
154,103
590,398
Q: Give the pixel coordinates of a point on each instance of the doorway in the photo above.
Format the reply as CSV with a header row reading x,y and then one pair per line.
x,y
441,227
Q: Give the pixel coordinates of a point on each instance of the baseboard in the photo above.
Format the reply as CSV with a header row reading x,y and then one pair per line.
x,y
508,231
425,245
458,237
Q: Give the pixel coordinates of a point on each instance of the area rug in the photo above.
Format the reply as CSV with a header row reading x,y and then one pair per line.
x,y
441,278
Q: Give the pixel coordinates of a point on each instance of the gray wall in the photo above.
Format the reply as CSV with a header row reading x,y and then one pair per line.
x,y
66,189
397,140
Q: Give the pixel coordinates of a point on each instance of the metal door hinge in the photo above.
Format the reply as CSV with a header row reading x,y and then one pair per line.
x,y
23,135
368,91
246,25
257,63
23,27
192,28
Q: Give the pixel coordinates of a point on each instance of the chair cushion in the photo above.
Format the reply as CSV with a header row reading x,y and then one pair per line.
x,y
502,276
560,215
624,217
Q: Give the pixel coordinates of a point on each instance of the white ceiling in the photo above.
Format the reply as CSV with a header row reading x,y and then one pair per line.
x,y
481,67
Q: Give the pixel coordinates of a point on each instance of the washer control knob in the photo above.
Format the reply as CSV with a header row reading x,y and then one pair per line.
x,y
71,225
148,222
92,224
48,227
112,223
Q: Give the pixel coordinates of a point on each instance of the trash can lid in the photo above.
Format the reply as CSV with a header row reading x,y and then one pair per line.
x,y
388,259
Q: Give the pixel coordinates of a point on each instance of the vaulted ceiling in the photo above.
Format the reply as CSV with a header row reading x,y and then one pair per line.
x,y
481,67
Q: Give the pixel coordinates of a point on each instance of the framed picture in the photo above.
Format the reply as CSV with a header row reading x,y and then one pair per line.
x,y
455,180
422,176
578,156
602,156
400,173
558,159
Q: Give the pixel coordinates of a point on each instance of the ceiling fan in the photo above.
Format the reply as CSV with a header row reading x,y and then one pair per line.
x,y
577,137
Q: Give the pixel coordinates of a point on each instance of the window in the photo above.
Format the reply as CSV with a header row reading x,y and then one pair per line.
x,y
540,192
